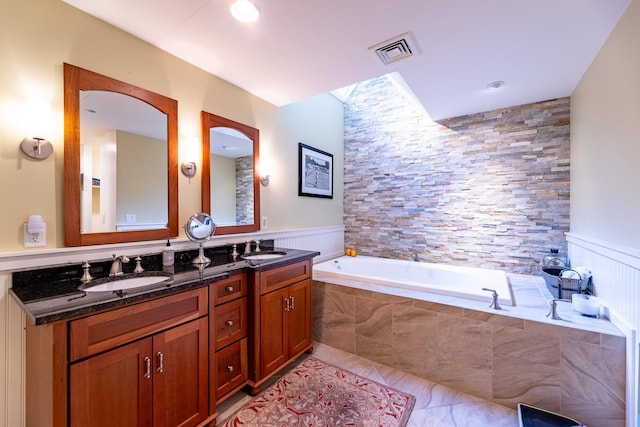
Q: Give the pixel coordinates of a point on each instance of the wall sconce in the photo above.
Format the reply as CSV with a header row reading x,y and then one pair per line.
x,y
39,116
188,169
266,166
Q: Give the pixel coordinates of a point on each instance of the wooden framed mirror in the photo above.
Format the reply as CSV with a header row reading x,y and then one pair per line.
x,y
120,161
230,184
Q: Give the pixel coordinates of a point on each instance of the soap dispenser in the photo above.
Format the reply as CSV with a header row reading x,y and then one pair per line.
x,y
167,255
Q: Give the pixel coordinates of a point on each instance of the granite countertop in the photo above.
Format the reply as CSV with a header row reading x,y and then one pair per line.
x,y
51,294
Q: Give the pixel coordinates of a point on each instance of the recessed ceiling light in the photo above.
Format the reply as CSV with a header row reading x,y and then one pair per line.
x,y
498,84
244,11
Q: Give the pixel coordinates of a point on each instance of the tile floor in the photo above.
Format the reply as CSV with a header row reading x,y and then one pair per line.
x,y
436,405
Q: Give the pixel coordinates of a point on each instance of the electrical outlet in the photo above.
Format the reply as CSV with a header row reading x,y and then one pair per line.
x,y
264,222
33,240
130,218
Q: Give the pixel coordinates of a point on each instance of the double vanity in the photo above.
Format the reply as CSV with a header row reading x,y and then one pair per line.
x,y
168,349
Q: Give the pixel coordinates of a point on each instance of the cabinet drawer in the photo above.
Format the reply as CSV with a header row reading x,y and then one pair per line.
x,y
279,277
100,332
230,322
231,368
229,289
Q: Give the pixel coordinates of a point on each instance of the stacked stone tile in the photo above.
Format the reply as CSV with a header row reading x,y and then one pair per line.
x,y
487,190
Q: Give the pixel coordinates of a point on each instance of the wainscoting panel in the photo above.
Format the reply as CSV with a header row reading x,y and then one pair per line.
x,y
616,280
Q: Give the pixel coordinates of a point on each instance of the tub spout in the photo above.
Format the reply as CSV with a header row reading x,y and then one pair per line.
x,y
415,257
553,308
495,304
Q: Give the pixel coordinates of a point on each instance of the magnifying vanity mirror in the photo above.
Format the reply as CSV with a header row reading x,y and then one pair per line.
x,y
230,184
120,161
199,229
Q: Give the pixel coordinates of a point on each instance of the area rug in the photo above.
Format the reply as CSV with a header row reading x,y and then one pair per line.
x,y
318,394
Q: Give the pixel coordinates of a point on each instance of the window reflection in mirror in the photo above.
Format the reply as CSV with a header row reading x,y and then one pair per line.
x,y
230,185
123,158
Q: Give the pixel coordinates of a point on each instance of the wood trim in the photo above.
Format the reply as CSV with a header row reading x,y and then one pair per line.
x,y
76,79
99,332
279,277
211,120
46,379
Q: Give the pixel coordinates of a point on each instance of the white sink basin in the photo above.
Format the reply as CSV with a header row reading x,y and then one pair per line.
x,y
264,256
120,285
254,259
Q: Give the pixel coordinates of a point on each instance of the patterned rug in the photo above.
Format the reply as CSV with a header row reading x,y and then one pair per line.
x,y
317,394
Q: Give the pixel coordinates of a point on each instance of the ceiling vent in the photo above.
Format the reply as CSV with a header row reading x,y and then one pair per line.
x,y
396,48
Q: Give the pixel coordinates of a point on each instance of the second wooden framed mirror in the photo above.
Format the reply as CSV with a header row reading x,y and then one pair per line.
x,y
230,184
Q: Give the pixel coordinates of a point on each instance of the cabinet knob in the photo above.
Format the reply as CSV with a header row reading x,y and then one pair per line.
x,y
229,322
229,368
230,289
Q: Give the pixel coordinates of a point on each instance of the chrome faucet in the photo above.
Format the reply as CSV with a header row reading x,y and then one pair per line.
x,y
415,257
495,304
553,308
116,265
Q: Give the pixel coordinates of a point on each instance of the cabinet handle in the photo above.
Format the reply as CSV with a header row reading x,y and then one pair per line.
x,y
229,323
293,303
147,367
286,304
160,362
229,368
230,289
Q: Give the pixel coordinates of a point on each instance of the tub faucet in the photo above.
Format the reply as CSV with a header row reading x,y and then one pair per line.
x,y
553,308
415,257
495,304
116,265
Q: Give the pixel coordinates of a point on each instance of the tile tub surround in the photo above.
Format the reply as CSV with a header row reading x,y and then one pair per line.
x,y
508,358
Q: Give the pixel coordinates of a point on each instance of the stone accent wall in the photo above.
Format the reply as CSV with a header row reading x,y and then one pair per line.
x,y
486,190
244,190
507,360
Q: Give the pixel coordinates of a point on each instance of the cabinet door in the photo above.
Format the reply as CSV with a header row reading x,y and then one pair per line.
x,y
299,317
273,345
114,388
181,375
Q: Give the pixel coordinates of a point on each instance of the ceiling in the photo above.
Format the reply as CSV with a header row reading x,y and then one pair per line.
x,y
301,48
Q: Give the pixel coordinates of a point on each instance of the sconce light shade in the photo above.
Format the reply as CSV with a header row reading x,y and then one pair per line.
x,y
36,148
266,166
188,169
39,118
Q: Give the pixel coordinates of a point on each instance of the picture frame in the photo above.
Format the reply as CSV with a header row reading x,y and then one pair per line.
x,y
315,172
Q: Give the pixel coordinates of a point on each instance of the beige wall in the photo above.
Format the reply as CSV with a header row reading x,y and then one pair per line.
x,y
38,36
605,140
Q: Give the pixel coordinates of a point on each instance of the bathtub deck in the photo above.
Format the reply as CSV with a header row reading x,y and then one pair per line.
x,y
506,357
530,293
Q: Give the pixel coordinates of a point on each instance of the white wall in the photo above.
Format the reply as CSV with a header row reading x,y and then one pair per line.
x,y
605,196
605,140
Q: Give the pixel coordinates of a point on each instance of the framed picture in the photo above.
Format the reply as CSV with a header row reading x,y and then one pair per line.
x,y
315,172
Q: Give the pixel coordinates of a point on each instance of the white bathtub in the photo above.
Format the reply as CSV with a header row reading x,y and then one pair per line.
x,y
455,281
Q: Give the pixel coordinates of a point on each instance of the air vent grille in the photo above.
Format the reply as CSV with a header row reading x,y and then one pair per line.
x,y
395,49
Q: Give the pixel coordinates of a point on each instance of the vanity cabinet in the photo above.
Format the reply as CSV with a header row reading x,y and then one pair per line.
x,y
281,319
144,364
228,324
